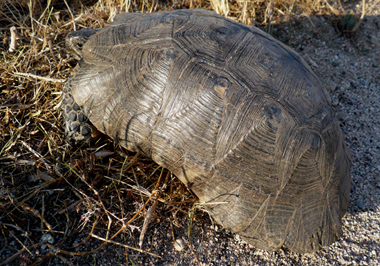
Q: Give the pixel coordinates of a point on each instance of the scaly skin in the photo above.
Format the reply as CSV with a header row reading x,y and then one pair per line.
x,y
78,129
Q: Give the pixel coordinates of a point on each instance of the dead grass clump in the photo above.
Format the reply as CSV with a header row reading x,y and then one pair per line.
x,y
50,191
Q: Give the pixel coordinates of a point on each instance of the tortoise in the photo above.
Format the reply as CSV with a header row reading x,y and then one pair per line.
x,y
237,116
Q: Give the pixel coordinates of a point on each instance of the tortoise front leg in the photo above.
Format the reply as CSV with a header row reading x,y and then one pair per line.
x,y
78,129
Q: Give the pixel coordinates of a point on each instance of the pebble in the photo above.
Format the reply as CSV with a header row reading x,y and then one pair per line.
x,y
47,238
179,245
359,203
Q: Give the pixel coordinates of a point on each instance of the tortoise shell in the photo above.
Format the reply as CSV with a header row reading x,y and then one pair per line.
x,y
236,115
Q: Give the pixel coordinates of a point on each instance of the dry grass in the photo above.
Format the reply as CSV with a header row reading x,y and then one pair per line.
x,y
50,189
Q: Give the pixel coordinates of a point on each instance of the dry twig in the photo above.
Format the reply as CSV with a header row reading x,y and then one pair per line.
x,y
361,17
32,76
13,45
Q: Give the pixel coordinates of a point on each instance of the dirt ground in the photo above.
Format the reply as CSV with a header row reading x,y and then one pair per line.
x,y
349,66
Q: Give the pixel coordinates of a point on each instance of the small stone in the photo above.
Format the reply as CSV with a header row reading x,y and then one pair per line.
x,y
47,238
179,245
85,131
359,203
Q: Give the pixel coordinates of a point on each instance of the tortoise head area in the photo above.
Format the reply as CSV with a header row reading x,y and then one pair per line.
x,y
76,40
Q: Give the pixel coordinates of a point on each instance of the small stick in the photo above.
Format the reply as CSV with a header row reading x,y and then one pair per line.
x,y
13,45
154,196
361,18
123,245
332,9
36,213
28,75
72,16
30,209
72,21
36,154
148,217
23,246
